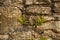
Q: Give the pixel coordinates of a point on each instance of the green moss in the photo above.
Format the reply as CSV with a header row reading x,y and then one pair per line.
x,y
23,20
39,21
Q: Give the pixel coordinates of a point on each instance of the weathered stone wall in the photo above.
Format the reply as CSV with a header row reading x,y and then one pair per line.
x,y
12,29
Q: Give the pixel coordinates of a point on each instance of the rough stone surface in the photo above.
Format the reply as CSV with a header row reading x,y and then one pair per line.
x,y
39,10
12,29
9,18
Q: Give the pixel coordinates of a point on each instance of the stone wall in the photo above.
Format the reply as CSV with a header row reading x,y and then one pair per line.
x,y
12,10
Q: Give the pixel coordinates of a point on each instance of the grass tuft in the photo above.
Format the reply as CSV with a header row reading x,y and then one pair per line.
x,y
39,21
23,20
43,38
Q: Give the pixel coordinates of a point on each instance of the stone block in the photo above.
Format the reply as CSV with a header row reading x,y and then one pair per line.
x,y
38,10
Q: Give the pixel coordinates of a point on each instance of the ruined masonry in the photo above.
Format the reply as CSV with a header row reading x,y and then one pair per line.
x,y
12,29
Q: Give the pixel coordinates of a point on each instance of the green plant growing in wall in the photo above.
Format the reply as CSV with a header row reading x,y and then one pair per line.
x,y
23,20
43,38
31,38
39,21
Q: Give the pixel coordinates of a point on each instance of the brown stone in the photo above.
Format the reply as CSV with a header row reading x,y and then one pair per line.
x,y
38,10
9,18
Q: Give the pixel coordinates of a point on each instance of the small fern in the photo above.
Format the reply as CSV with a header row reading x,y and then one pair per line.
x,y
23,20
